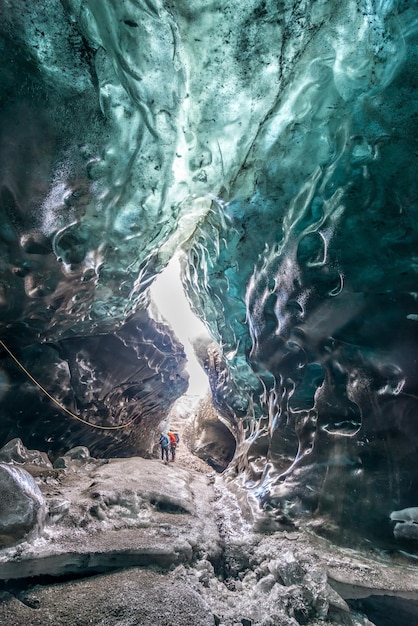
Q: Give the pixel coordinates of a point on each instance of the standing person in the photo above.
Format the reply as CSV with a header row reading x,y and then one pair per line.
x,y
174,439
165,444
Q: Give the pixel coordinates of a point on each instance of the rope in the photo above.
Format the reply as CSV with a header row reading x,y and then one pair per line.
x,y
61,406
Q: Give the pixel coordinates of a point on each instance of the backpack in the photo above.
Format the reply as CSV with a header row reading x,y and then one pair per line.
x,y
174,438
164,441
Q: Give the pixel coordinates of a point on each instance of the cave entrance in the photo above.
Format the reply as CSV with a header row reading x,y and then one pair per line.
x,y
171,304
208,439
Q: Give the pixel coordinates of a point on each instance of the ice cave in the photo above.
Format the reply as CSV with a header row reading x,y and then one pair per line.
x,y
268,148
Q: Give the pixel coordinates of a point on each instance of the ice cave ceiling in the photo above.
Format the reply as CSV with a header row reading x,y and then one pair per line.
x,y
274,143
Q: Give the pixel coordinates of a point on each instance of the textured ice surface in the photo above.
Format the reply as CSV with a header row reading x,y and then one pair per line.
x,y
22,510
275,143
205,560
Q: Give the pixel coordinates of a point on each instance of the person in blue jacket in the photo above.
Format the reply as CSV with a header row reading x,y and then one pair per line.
x,y
165,446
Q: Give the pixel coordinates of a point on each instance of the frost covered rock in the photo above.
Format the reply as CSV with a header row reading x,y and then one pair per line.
x,y
58,508
406,527
75,459
210,438
79,453
22,506
15,452
287,569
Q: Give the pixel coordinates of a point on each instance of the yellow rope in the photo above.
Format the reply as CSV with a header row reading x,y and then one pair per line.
x,y
61,406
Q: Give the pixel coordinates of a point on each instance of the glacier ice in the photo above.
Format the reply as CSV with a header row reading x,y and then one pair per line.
x,y
274,144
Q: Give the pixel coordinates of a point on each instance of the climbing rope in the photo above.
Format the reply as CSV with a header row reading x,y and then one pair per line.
x,y
61,406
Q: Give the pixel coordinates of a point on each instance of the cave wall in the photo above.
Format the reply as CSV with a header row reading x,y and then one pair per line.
x,y
311,260
108,392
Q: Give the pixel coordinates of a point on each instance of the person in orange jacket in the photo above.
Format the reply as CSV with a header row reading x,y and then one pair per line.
x,y
174,439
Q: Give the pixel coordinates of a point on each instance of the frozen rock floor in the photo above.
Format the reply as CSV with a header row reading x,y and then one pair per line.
x,y
124,598
104,515
132,542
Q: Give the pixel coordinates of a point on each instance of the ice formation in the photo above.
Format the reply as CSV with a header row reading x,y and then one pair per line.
x,y
22,512
274,144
